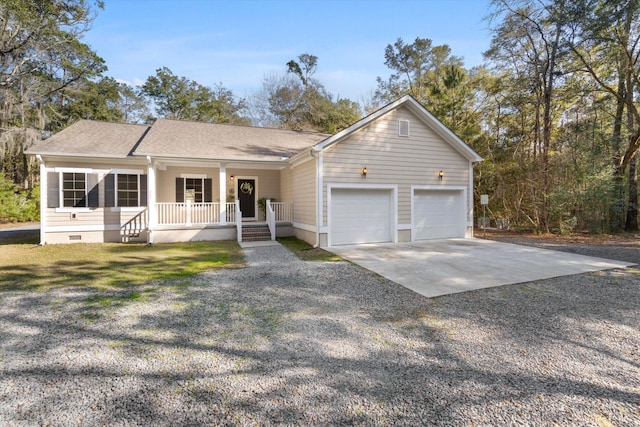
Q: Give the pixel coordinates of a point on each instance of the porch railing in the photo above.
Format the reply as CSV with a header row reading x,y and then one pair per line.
x,y
188,213
282,211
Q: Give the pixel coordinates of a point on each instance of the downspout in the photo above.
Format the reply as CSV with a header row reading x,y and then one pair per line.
x,y
43,201
470,199
152,207
312,153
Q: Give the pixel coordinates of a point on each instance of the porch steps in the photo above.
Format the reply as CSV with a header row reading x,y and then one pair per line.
x,y
255,232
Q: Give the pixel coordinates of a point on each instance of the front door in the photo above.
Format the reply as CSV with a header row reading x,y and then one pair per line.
x,y
247,197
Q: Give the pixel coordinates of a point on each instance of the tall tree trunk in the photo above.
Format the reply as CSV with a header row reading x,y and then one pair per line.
x,y
616,211
631,224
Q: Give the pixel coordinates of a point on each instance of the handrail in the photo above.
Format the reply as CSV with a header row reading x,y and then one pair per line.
x,y
238,215
282,211
271,219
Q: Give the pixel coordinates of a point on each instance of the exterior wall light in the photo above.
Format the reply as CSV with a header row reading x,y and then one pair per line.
x,y
440,175
232,177
364,172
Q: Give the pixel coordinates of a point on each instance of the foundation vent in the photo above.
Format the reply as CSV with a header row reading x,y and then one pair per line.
x,y
75,237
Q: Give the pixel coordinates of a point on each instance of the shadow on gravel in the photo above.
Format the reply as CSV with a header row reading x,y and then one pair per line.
x,y
322,345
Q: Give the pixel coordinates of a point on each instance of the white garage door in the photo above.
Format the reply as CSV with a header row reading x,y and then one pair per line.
x,y
360,216
438,214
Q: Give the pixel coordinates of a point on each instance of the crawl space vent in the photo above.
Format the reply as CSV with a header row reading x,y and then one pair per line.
x,y
75,237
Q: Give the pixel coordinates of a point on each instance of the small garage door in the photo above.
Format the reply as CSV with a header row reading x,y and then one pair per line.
x,y
438,214
360,216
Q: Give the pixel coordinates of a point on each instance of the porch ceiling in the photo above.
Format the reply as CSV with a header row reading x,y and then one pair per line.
x,y
162,163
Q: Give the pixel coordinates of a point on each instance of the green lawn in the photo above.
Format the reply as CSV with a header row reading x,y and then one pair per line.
x,y
306,252
109,265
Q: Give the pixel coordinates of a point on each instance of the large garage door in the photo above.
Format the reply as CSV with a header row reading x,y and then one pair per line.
x,y
438,214
360,216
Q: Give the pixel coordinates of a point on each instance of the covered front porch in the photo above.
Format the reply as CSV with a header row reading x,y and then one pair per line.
x,y
190,200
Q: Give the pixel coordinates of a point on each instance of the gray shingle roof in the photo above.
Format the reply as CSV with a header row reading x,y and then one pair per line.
x,y
176,138
88,138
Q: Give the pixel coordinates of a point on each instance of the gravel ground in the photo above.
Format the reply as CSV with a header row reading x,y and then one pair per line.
x,y
299,343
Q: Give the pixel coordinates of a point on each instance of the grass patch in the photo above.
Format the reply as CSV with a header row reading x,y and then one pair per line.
x,y
20,237
306,252
110,265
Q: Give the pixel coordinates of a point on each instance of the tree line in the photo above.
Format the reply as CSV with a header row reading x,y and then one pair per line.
x,y
554,110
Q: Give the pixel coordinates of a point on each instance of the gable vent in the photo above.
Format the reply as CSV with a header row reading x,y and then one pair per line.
x,y
403,127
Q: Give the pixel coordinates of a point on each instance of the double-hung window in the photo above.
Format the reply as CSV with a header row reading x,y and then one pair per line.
x,y
194,189
74,190
71,188
125,188
128,190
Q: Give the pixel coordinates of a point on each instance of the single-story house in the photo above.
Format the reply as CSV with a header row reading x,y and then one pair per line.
x,y
397,175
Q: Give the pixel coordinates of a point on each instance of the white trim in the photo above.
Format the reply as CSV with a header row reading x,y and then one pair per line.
x,y
319,194
305,227
470,201
394,202
127,171
194,175
460,188
79,170
128,208
151,198
44,191
222,192
76,210
139,190
78,228
61,189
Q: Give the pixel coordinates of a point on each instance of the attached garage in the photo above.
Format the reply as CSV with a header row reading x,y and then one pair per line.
x,y
360,215
438,214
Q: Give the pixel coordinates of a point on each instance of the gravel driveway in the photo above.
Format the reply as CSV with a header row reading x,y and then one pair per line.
x,y
299,343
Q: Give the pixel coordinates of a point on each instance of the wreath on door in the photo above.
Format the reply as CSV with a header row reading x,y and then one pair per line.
x,y
246,188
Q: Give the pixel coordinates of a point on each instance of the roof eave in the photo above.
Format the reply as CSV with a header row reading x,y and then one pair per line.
x,y
82,155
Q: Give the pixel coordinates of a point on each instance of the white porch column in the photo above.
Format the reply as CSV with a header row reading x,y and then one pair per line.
x,y
223,194
152,208
44,189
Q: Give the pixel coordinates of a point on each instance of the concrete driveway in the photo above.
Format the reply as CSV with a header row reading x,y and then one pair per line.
x,y
441,267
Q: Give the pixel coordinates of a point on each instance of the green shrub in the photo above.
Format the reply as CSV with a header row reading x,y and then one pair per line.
x,y
17,205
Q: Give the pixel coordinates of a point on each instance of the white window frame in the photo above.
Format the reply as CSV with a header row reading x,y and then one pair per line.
x,y
199,176
117,172
60,172
400,122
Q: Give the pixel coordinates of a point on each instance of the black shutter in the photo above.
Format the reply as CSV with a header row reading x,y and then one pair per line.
x,y
53,190
143,190
109,190
92,184
179,190
208,190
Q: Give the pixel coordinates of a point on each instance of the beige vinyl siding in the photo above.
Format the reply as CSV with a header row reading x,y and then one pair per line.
x,y
166,181
90,217
286,185
268,182
392,159
303,191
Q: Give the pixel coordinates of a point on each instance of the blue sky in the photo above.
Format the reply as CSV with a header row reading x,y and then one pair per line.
x,y
238,43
